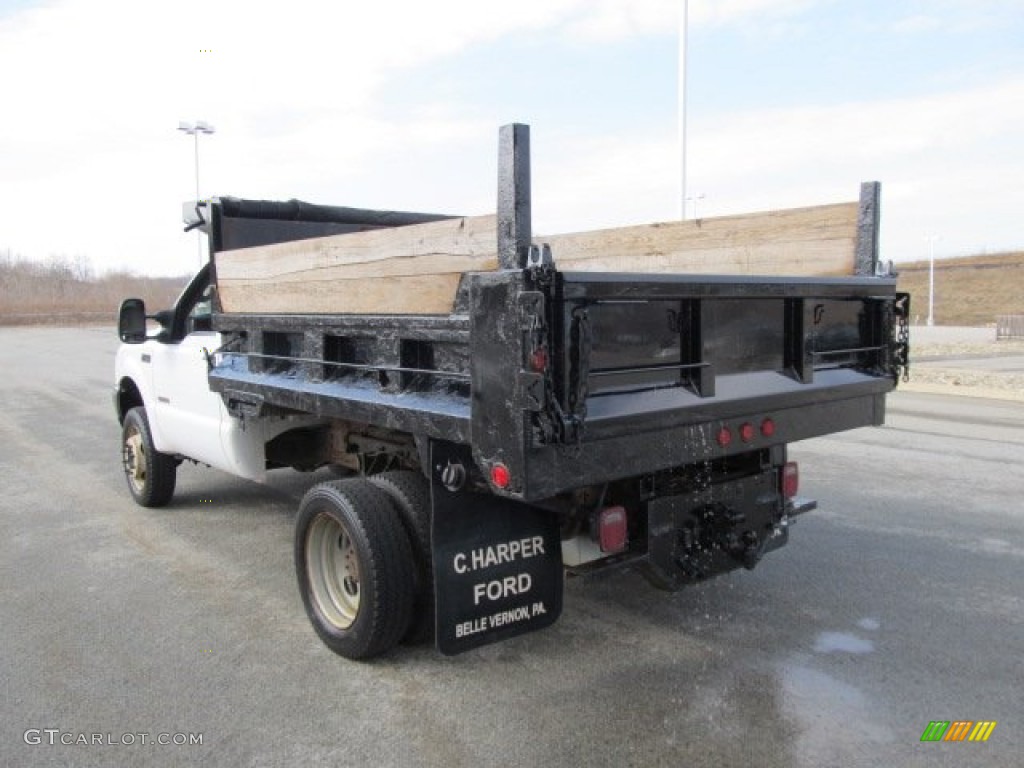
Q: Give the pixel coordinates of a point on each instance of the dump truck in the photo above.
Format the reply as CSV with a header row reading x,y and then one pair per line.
x,y
489,411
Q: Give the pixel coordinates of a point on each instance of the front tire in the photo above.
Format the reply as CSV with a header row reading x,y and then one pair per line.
x,y
354,565
151,475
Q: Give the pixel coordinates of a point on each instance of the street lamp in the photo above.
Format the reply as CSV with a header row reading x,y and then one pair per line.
x,y
931,278
194,129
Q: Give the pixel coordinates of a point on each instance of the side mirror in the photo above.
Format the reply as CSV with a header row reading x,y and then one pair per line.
x,y
131,321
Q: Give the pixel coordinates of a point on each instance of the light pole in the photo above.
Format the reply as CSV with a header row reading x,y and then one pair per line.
x,y
681,103
194,129
931,278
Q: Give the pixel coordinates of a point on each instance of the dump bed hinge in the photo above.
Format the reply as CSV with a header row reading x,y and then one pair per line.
x,y
243,405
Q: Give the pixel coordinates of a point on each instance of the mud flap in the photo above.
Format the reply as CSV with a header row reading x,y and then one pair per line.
x,y
497,562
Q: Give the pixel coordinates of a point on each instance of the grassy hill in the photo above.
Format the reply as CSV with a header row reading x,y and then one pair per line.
x,y
969,290
66,291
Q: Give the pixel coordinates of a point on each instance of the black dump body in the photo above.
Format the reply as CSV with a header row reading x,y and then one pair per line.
x,y
575,379
571,379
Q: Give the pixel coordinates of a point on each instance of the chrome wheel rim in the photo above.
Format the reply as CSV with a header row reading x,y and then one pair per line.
x,y
333,569
134,458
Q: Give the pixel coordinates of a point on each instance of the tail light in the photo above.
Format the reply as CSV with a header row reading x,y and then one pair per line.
x,y
613,529
790,480
500,475
747,431
539,360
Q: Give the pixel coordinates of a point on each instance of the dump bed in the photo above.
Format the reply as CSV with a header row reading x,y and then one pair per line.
x,y
569,360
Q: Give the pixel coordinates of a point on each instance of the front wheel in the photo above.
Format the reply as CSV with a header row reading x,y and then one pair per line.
x,y
150,474
355,567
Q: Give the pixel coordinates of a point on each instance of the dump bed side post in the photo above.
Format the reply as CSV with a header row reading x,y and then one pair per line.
x,y
500,425
868,220
514,228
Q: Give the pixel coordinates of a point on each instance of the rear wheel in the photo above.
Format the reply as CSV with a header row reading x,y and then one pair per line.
x,y
410,493
150,474
355,569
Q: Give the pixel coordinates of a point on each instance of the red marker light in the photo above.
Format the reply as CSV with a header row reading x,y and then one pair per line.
x,y
724,437
768,428
613,529
747,432
539,360
790,480
500,475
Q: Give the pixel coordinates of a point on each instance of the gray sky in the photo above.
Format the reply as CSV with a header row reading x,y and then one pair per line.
x,y
396,104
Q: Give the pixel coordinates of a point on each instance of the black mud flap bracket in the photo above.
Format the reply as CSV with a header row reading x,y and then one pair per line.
x,y
497,561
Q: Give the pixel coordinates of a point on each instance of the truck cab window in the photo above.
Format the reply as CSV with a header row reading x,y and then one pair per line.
x,y
200,317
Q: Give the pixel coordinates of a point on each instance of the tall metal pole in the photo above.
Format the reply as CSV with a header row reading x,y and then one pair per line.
x,y
931,279
196,135
683,45
195,129
199,234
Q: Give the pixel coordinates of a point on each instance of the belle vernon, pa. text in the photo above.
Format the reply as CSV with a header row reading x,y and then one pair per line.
x,y
499,589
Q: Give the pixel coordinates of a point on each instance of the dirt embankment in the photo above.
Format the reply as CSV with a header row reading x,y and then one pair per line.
x,y
969,291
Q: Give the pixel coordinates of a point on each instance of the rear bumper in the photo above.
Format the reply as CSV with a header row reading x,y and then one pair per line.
x,y
555,468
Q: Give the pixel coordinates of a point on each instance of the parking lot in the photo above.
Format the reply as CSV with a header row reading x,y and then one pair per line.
x,y
899,602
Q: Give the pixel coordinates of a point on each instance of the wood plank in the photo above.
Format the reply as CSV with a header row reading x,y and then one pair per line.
x,y
817,241
410,295
404,270
417,269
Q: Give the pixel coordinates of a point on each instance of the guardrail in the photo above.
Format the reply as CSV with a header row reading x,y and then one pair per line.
x,y
1009,327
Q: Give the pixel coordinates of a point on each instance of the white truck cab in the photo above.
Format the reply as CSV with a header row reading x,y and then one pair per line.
x,y
164,403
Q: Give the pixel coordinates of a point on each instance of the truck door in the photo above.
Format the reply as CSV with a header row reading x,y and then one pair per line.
x,y
189,414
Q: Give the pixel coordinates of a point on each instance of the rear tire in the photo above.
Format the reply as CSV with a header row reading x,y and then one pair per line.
x,y
410,493
354,565
151,475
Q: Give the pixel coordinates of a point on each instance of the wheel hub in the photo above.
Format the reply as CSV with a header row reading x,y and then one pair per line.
x,y
135,460
333,567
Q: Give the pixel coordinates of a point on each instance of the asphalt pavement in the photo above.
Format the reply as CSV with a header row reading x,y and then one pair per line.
x,y
899,602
